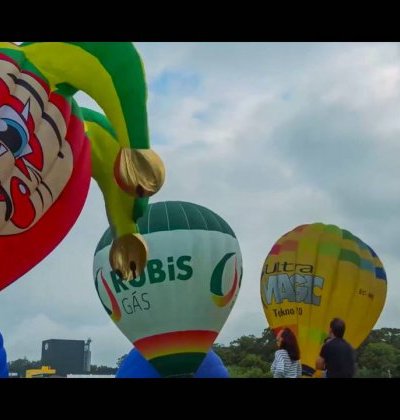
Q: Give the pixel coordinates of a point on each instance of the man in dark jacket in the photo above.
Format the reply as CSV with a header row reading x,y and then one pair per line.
x,y
337,356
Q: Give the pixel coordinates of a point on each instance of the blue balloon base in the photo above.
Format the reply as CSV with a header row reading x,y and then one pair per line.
x,y
136,366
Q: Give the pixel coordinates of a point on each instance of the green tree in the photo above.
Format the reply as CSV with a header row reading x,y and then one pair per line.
x,y
20,366
242,372
102,370
379,360
249,356
268,345
254,361
226,354
263,346
121,360
383,335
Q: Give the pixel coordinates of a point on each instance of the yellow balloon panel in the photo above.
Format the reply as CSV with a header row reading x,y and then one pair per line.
x,y
315,273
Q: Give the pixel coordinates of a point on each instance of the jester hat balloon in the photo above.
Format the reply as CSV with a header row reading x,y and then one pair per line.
x,y
45,159
317,272
174,311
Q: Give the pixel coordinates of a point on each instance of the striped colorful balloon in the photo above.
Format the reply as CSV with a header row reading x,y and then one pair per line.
x,y
174,311
317,272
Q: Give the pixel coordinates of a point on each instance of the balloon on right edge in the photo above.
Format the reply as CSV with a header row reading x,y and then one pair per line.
x,y
317,272
3,360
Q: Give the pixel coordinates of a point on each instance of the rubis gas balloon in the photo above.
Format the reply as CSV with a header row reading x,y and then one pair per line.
x,y
174,311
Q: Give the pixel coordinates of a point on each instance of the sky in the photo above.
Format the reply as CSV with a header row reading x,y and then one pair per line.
x,y
267,135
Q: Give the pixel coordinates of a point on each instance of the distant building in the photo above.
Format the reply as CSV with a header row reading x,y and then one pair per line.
x,y
87,356
66,356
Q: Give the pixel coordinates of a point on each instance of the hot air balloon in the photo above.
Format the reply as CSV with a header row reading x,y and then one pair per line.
x,y
45,161
136,366
3,360
174,311
317,272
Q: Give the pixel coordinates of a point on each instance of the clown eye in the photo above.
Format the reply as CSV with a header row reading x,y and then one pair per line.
x,y
13,135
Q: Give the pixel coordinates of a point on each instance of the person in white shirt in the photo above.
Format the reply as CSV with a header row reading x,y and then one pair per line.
x,y
286,363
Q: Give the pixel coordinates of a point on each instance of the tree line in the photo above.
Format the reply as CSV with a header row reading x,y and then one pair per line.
x,y
251,357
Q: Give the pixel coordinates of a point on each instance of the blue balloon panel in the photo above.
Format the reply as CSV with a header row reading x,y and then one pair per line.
x,y
136,366
3,360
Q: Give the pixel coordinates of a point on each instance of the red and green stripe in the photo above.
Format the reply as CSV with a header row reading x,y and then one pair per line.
x,y
178,352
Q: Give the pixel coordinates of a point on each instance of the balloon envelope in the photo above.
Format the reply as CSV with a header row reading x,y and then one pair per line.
x,y
315,273
46,160
44,165
212,367
3,360
174,311
136,366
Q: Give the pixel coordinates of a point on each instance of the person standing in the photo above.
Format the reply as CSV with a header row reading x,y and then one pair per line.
x,y
337,356
286,363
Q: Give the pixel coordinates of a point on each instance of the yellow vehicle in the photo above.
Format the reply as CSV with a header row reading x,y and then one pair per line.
x,y
43,372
